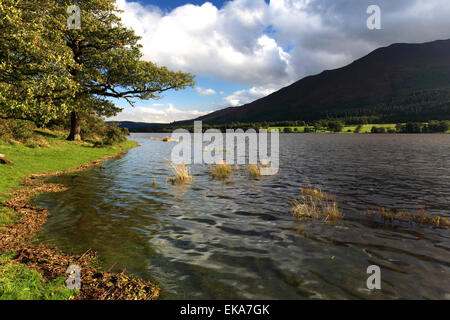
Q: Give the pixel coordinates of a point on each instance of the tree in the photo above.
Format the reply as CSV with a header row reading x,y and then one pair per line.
x,y
107,63
34,82
335,125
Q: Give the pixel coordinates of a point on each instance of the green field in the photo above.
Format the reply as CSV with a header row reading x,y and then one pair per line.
x,y
16,280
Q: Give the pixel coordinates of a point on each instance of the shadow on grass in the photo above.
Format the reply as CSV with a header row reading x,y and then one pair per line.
x,y
48,134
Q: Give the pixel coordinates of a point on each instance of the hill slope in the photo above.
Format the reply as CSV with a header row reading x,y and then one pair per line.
x,y
402,82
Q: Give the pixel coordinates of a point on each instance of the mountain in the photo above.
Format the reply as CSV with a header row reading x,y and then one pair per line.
x,y
401,82
133,125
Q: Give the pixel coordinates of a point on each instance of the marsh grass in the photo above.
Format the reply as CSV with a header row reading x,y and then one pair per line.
x,y
167,139
316,204
181,173
420,216
221,171
315,193
254,171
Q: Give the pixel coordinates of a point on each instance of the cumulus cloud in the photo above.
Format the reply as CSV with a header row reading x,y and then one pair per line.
x,y
205,92
158,115
268,45
245,96
228,43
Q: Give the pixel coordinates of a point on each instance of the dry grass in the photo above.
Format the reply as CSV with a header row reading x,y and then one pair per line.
x,y
221,171
265,163
316,193
181,173
254,171
165,139
316,204
420,216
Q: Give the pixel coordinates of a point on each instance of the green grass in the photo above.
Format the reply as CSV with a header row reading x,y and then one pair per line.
x,y
61,155
7,216
17,281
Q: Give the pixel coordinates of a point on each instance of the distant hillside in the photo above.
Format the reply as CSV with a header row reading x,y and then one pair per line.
x,y
402,82
133,125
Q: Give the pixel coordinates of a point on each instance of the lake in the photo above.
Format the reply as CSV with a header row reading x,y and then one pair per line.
x,y
239,240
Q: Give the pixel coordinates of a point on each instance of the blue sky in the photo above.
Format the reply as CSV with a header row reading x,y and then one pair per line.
x,y
242,50
172,4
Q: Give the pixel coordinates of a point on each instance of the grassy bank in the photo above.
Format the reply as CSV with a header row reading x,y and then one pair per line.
x,y
17,279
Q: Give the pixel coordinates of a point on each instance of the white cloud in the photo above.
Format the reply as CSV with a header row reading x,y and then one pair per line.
x,y
245,96
205,92
228,43
155,115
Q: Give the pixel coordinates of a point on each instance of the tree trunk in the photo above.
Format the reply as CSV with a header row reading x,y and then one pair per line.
x,y
75,127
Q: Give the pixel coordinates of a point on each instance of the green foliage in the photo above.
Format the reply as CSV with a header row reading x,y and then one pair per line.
x,y
378,130
34,82
92,128
287,130
335,125
108,63
113,135
436,127
17,282
48,71
22,132
419,127
19,130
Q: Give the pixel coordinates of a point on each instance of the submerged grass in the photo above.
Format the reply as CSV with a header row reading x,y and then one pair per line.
x,y
316,204
420,216
254,171
165,139
221,171
181,173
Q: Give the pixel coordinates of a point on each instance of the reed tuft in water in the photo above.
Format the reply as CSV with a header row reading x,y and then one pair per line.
x,y
316,204
181,173
254,171
221,171
165,139
420,216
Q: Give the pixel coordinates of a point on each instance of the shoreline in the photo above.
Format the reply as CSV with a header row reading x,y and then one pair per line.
x,y
51,262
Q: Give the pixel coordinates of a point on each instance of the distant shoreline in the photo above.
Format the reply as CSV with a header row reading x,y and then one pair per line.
x,y
321,126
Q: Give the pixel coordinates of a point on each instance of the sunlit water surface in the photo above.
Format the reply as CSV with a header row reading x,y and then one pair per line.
x,y
239,240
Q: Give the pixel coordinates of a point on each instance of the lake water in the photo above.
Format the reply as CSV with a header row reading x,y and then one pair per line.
x,y
239,240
